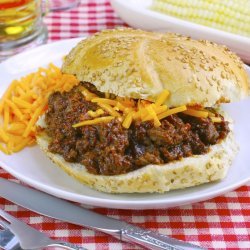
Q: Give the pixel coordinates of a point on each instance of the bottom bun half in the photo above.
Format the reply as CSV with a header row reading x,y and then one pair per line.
x,y
187,172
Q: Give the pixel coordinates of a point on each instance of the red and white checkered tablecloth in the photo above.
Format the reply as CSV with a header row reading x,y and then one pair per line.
x,y
219,223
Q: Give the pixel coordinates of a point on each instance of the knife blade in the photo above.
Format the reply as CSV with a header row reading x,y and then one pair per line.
x,y
60,209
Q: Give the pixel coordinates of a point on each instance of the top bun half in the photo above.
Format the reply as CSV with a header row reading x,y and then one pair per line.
x,y
139,64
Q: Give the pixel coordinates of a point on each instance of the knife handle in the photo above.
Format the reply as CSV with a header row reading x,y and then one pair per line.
x,y
153,240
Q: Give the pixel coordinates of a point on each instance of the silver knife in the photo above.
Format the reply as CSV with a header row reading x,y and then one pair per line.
x,y
56,208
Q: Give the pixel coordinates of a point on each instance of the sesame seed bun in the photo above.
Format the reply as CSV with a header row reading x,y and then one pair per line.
x,y
187,172
140,64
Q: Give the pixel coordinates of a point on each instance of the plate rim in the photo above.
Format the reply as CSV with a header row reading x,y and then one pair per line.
x,y
165,202
103,202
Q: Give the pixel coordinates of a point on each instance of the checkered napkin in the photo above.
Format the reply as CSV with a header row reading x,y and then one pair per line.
x,y
219,223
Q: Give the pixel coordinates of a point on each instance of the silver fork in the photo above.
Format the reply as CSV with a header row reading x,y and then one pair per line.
x,y
8,240
30,238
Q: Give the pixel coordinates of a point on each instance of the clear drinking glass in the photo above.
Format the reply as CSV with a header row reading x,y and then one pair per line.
x,y
21,24
63,4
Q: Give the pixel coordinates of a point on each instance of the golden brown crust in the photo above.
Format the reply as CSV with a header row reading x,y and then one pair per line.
x,y
140,64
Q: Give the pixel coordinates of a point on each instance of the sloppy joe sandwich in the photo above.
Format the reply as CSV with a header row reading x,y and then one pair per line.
x,y
145,116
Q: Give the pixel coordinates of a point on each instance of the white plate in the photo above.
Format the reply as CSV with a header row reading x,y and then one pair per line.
x,y
33,167
137,14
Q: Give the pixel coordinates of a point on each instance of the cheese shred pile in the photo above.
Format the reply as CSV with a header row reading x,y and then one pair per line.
x,y
24,101
129,110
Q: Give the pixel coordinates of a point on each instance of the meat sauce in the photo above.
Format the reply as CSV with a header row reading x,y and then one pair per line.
x,y
110,149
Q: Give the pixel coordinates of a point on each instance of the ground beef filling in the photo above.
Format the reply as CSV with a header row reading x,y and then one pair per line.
x,y
110,149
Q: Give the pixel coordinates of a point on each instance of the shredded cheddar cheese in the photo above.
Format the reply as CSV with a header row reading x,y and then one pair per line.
x,y
171,112
141,113
210,114
94,121
126,102
196,113
159,109
3,135
216,119
96,113
109,109
153,116
162,97
24,101
88,95
104,101
121,107
128,120
127,110
144,111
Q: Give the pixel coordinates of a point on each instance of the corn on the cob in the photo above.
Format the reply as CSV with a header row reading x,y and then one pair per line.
x,y
228,15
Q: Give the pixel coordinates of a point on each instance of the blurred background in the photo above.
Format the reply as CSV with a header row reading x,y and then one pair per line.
x,y
24,23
